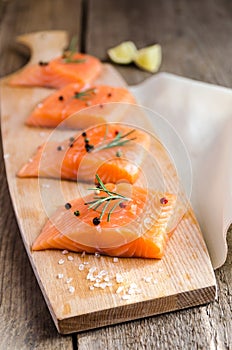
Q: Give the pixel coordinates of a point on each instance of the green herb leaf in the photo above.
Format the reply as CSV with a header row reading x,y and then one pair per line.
x,y
106,200
85,94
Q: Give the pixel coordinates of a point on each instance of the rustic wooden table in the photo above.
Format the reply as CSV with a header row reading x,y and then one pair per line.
x,y
196,42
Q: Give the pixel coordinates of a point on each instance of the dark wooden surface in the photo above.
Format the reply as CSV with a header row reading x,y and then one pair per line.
x,y
196,41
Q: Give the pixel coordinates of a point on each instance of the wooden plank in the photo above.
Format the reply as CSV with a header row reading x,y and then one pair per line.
x,y
176,282
195,39
193,35
26,322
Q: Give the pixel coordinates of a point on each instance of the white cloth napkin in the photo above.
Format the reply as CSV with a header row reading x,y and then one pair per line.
x,y
201,114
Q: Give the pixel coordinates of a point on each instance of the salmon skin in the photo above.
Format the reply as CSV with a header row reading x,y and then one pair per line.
x,y
82,70
114,151
60,105
138,228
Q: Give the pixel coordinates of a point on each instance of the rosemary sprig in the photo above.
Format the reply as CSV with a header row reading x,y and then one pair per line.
x,y
105,200
71,52
84,95
117,141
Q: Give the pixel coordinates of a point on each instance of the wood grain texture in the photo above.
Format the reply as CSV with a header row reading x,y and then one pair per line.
x,y
207,327
184,277
194,35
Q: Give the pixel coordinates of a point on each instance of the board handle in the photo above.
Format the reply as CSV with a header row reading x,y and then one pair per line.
x,y
44,45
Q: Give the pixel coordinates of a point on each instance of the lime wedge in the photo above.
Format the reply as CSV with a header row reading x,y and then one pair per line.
x,y
149,58
123,53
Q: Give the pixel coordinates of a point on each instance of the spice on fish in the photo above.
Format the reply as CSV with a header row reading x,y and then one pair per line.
x,y
42,63
105,201
96,221
163,200
68,206
76,213
61,98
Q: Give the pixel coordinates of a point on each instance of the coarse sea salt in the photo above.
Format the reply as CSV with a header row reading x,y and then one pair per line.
x,y
6,156
64,252
60,275
81,267
68,280
119,278
125,297
119,290
92,269
91,287
45,185
115,260
71,289
61,262
70,258
148,279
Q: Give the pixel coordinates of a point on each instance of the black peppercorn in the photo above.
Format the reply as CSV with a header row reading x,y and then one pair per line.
x,y
96,221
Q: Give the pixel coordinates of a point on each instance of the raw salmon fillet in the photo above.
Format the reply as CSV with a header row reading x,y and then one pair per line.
x,y
63,103
81,157
138,228
58,73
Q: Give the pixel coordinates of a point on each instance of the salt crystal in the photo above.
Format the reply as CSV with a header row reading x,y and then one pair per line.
x,y
60,275
70,258
81,267
71,289
98,280
109,284
130,291
45,185
119,290
68,280
102,273
6,156
92,269
103,285
64,252
97,192
61,262
97,285
160,270
89,276
107,279
115,260
155,281
133,285
119,278
125,297
86,263
91,287
83,254
148,279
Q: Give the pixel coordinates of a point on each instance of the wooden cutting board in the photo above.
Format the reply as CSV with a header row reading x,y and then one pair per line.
x,y
183,278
